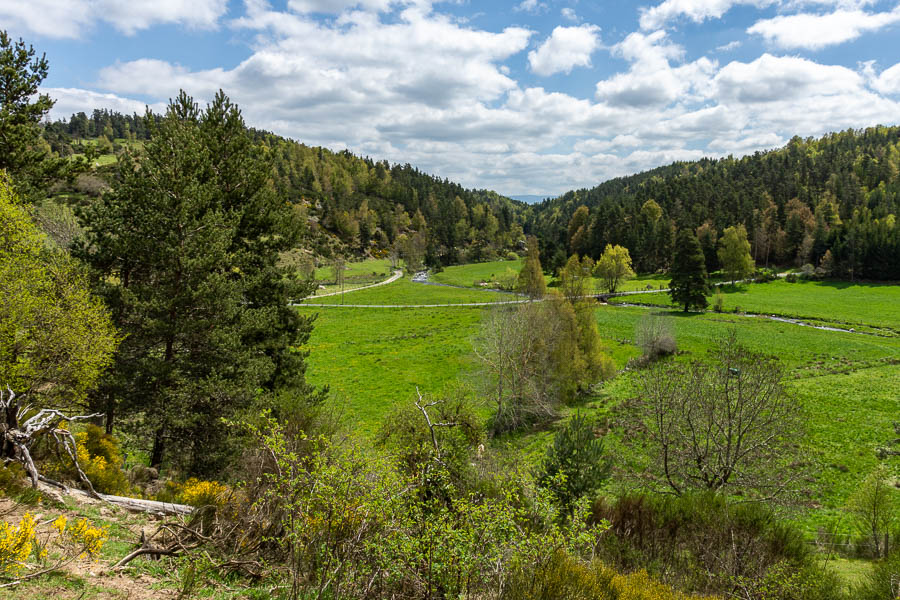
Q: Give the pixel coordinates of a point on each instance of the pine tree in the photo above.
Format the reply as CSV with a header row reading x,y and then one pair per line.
x,y
689,285
185,250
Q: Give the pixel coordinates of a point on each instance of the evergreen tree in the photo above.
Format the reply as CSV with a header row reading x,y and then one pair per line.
x,y
576,464
689,285
185,249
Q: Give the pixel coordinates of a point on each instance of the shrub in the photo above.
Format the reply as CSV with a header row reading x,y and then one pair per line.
x,y
791,278
512,256
884,581
575,465
100,459
16,543
653,334
195,492
719,300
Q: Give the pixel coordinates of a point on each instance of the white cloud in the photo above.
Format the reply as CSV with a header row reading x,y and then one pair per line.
x,y
814,32
72,18
777,79
889,81
422,87
569,14
696,10
531,6
566,48
337,6
652,80
729,46
70,101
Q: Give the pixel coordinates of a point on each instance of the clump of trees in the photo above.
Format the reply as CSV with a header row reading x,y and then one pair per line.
x,y
538,355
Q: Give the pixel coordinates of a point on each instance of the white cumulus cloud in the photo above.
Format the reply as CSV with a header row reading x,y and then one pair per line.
x,y
566,48
73,18
814,32
697,11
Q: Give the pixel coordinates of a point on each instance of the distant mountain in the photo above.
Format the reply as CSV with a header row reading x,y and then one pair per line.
x,y
530,198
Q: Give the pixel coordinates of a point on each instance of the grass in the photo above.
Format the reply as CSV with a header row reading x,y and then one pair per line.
x,y
404,291
376,269
373,359
838,302
469,275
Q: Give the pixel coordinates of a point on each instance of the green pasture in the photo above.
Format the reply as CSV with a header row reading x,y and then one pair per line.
x,y
847,382
376,269
375,358
404,291
468,275
869,304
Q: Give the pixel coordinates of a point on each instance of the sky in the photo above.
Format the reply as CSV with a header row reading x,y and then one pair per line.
x,y
519,96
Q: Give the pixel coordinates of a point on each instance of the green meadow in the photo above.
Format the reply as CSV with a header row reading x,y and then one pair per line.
x,y
404,291
874,305
374,358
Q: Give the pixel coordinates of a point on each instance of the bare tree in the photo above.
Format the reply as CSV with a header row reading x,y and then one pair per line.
x,y
727,424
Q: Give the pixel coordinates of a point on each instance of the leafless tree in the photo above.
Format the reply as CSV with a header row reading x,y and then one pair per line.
x,y
727,424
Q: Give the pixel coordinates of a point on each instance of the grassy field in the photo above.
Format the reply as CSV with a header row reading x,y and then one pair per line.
x,y
847,382
373,359
840,302
404,291
373,268
468,275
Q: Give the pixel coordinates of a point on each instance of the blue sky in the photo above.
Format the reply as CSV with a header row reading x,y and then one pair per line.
x,y
524,97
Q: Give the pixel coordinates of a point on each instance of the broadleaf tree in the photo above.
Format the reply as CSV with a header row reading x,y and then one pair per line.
x,y
734,253
614,267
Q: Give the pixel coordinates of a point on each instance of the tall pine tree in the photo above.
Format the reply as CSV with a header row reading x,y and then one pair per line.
x,y
689,285
185,249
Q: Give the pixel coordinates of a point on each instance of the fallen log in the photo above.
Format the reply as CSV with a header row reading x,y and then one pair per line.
x,y
136,505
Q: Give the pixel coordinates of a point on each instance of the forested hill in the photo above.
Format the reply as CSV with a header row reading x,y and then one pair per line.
x,y
354,205
833,198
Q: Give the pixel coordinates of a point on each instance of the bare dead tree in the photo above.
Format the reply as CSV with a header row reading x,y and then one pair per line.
x,y
20,432
727,424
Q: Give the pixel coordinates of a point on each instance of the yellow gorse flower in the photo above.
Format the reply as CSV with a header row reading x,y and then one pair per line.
x,y
16,544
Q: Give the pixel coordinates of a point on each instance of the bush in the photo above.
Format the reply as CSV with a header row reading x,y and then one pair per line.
x,y
653,334
563,577
700,542
791,278
719,300
100,459
512,256
884,582
575,465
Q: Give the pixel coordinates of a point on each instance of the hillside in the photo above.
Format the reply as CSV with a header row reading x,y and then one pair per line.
x,y
354,206
839,193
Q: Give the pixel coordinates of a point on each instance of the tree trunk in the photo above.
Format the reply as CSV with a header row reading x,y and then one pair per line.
x,y
156,455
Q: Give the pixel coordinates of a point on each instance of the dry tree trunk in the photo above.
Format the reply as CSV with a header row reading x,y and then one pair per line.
x,y
20,433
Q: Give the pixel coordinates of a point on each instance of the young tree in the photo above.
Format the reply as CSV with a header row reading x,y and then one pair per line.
x,y
726,424
614,267
537,356
874,507
531,277
734,254
689,285
186,253
574,278
576,464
